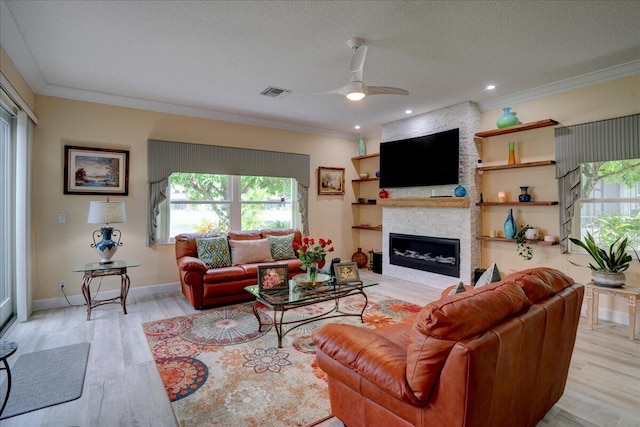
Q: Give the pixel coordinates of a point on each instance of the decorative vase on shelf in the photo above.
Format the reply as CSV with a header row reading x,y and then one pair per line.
x,y
460,191
510,226
509,118
512,153
524,194
362,147
312,271
383,194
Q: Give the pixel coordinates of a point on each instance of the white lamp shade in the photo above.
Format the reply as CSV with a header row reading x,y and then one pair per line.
x,y
106,212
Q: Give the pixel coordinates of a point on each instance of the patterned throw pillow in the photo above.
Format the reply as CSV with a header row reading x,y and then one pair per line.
x,y
490,276
282,247
214,251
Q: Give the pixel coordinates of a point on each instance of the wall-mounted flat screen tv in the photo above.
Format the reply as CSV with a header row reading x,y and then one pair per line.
x,y
420,161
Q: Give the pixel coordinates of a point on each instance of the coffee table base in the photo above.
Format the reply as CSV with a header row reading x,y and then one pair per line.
x,y
279,323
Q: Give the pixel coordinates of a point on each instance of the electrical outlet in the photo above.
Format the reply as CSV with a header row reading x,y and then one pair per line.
x,y
63,284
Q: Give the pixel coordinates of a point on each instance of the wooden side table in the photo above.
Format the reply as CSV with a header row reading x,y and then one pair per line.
x,y
95,269
593,293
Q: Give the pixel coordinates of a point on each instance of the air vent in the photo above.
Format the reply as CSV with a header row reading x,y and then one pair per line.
x,y
275,92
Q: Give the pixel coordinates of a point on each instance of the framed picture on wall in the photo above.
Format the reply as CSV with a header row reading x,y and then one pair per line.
x,y
96,171
273,277
330,180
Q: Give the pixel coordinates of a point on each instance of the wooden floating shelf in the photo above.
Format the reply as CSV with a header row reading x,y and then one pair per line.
x,y
516,203
366,179
367,227
517,128
430,202
366,156
517,165
505,240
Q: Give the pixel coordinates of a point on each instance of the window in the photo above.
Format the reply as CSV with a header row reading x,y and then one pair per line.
x,y
609,204
206,203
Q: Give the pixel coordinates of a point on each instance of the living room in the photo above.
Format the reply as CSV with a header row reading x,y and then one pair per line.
x,y
96,123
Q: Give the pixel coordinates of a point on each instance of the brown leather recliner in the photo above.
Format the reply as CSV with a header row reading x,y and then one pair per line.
x,y
494,356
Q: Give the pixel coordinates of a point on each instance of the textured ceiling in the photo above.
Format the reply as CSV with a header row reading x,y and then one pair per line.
x,y
216,57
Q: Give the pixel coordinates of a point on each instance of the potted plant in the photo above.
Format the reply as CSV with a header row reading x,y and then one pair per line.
x,y
610,265
524,249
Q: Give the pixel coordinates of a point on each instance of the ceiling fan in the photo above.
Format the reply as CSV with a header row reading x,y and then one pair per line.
x,y
356,90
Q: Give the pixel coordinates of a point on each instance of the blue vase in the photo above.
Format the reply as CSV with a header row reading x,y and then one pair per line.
x,y
507,119
362,148
510,226
460,191
524,195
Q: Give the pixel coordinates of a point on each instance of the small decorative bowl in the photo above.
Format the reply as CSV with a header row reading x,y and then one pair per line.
x,y
364,175
302,280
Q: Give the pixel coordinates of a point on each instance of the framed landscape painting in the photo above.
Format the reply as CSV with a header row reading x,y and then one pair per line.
x,y
96,171
330,180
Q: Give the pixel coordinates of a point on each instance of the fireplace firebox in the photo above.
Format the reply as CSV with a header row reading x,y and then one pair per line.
x,y
433,254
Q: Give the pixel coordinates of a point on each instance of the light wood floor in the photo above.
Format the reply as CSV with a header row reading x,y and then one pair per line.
x,y
122,386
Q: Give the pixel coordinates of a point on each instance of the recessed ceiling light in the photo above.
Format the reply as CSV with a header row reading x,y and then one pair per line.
x,y
408,111
357,126
491,87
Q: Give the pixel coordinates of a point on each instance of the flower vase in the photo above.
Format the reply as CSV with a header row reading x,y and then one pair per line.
x,y
312,271
510,226
362,147
524,194
512,153
507,119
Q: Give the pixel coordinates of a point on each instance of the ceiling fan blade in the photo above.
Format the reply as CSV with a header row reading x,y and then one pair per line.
x,y
384,90
357,63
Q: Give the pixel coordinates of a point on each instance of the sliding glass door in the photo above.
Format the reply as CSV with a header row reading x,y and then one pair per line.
x,y
7,212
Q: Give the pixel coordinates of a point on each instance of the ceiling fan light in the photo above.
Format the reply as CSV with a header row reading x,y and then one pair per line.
x,y
356,96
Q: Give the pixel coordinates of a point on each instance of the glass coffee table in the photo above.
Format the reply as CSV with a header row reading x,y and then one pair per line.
x,y
295,297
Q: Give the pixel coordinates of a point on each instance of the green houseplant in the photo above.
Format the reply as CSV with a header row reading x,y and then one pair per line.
x,y
609,267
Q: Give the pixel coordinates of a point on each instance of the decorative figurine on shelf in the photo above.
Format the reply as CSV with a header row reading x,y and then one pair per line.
x,y
508,119
460,191
383,194
524,194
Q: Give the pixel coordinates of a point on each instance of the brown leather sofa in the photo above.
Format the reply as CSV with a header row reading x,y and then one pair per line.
x,y
494,356
208,287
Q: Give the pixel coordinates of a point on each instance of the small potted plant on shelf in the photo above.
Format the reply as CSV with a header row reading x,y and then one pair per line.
x,y
523,239
610,265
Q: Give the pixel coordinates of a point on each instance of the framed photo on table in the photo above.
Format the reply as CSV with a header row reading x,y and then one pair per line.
x,y
96,171
274,277
347,273
330,180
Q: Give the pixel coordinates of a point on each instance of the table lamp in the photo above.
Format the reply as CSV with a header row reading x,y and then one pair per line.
x,y
106,212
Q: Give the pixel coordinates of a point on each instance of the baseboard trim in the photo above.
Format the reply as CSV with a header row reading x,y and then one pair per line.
x,y
60,302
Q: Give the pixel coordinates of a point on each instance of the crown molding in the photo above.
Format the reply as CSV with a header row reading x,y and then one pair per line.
x,y
163,107
590,79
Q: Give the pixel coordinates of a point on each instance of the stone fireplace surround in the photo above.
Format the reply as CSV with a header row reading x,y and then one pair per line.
x,y
451,223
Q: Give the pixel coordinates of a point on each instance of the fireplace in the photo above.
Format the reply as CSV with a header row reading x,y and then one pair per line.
x,y
433,254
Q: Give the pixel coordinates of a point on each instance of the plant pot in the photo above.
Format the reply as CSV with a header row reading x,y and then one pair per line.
x,y
608,279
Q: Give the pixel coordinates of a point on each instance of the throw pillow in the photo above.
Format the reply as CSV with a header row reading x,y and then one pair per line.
x,y
282,247
214,251
457,289
250,251
490,276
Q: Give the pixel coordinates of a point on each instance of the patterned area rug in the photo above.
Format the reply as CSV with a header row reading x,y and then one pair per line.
x,y
218,370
